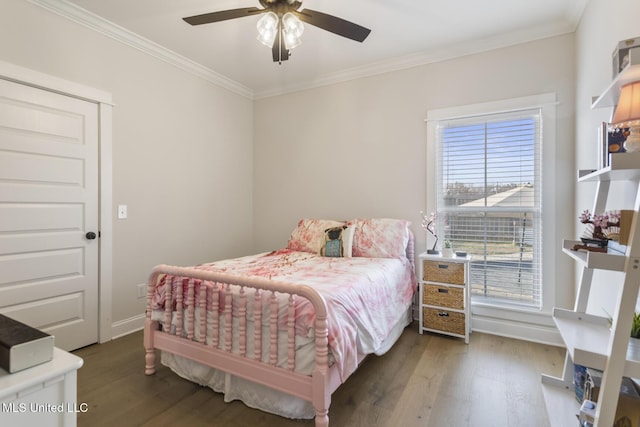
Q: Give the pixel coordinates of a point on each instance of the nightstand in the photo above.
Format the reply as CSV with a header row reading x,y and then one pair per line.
x,y
444,295
44,395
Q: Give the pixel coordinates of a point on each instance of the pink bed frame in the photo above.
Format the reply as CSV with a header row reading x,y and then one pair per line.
x,y
315,388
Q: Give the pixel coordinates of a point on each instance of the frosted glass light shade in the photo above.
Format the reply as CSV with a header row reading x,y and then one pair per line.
x,y
292,30
267,29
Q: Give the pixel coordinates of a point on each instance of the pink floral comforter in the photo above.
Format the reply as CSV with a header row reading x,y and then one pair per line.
x,y
366,297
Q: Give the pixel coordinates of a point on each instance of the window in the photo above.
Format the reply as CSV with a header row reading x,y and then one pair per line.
x,y
488,200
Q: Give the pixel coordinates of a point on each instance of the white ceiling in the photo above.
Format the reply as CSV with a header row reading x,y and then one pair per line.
x,y
404,33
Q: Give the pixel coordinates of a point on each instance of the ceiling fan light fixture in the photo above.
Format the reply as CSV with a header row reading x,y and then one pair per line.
x,y
292,24
267,28
291,41
292,30
280,27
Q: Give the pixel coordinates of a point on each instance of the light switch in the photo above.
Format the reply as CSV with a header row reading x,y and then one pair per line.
x,y
122,211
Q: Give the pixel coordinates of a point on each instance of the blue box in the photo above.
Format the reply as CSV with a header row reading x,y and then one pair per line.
x,y
579,377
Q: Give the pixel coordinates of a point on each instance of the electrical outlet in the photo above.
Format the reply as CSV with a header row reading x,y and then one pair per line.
x,y
142,290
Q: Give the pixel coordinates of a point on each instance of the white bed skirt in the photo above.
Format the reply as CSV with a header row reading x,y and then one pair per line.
x,y
256,395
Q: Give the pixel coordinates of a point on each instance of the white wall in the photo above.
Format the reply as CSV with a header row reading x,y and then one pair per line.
x,y
358,148
341,151
182,148
604,23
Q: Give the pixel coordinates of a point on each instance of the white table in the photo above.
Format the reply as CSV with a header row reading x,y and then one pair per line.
x,y
44,395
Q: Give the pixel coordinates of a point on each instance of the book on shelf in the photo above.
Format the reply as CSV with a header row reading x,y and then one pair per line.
x,y
22,346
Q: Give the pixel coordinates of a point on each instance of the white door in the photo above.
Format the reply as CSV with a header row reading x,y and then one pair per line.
x,y
48,207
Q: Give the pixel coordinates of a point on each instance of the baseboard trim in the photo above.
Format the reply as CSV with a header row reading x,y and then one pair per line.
x,y
127,326
524,331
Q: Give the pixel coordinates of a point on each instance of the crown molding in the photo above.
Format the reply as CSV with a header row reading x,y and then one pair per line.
x,y
129,38
116,32
574,12
424,58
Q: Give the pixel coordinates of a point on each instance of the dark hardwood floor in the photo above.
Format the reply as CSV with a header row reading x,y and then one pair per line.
x,y
424,380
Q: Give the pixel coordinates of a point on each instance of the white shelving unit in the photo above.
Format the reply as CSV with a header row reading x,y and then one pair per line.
x,y
591,340
609,97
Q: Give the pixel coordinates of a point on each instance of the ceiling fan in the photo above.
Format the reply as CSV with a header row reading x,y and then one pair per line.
x,y
280,28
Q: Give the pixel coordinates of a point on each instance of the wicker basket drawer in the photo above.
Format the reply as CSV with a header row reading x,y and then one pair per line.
x,y
443,296
443,272
443,320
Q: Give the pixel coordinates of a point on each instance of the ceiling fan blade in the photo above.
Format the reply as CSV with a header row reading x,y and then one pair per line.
x,y
224,15
333,24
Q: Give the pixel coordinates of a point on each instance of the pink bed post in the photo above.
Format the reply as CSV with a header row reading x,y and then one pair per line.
x,y
243,322
215,306
291,333
228,317
202,303
191,299
321,396
149,326
179,310
257,322
273,329
320,390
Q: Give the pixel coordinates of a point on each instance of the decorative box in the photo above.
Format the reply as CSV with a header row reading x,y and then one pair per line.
x,y
22,346
579,378
444,272
622,55
443,296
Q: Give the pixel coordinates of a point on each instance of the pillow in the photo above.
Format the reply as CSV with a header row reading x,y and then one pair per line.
x,y
308,236
338,242
347,240
332,245
380,237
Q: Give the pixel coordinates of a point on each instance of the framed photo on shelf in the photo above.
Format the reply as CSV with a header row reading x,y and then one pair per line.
x,y
610,141
603,150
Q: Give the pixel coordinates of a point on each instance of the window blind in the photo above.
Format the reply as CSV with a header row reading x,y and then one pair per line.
x,y
489,201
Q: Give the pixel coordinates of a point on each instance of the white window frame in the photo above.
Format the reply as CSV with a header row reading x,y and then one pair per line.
x,y
489,317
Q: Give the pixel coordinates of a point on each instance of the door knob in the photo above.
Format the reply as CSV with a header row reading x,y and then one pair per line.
x,y
90,235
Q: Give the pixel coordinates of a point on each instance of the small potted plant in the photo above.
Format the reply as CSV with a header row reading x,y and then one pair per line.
x,y
600,227
635,326
448,250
